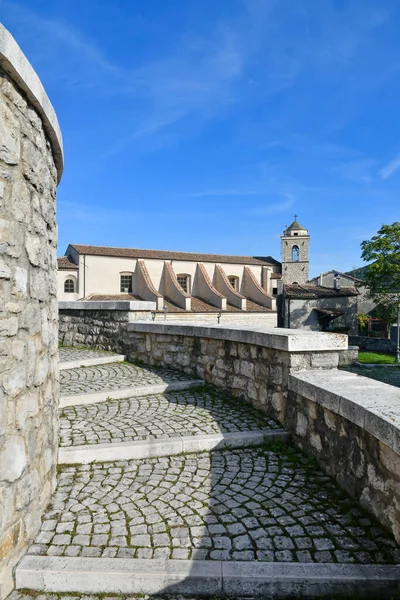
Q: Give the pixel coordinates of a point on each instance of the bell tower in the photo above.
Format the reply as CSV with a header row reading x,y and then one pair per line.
x,y
295,242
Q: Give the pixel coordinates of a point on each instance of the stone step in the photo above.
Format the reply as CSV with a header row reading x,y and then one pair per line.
x,y
85,358
154,422
204,578
263,505
168,446
89,385
129,392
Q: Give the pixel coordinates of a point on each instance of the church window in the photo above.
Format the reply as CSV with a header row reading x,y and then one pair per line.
x,y
126,283
69,286
234,281
184,282
295,254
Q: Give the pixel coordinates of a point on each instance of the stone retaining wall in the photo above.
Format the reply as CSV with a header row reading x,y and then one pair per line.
x,y
371,344
352,425
29,390
97,327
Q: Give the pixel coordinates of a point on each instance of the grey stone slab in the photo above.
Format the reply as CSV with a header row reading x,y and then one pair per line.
x,y
108,305
117,575
280,339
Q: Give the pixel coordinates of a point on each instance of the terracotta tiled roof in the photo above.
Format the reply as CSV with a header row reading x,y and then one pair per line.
x,y
201,306
317,291
361,281
172,255
276,275
65,263
114,297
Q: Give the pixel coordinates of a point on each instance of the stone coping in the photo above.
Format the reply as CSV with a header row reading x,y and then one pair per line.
x,y
290,340
16,65
202,578
126,305
372,405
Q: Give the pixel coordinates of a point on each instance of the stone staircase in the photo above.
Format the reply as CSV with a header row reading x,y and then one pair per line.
x,y
167,486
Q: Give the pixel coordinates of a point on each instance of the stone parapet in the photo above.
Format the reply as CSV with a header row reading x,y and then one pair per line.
x,y
120,305
352,425
291,340
30,167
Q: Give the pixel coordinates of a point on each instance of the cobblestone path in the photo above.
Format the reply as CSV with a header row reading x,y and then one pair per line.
x,y
250,504
114,376
390,375
190,412
66,354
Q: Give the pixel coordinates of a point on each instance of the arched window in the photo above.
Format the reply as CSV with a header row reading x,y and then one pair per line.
x,y
184,282
234,281
126,283
69,286
295,254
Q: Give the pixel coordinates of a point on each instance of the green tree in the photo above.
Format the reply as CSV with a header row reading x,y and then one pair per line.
x,y
383,274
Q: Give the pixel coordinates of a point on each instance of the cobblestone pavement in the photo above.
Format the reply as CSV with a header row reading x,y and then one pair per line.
x,y
66,354
390,375
114,376
191,412
248,504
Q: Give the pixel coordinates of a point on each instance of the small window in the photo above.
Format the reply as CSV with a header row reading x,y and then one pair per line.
x,y
295,254
274,291
295,234
126,283
184,282
69,286
234,281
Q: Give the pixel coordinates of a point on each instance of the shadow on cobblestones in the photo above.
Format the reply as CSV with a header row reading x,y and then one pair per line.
x,y
265,504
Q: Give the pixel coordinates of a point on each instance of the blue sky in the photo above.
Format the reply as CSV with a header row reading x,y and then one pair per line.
x,y
204,126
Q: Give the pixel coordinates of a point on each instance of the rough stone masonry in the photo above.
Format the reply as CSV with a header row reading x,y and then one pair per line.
x,y
30,166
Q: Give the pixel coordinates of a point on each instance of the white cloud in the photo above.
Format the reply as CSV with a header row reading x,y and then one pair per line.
x,y
390,168
275,207
228,192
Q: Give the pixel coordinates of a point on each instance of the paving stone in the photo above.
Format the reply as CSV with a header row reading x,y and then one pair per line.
x,y
69,354
114,376
161,498
189,412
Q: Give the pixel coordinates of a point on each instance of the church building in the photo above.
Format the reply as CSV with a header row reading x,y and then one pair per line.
x,y
187,285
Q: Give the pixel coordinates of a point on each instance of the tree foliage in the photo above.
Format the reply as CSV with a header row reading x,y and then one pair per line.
x,y
383,275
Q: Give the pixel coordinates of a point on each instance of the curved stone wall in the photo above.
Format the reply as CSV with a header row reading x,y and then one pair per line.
x,y
30,167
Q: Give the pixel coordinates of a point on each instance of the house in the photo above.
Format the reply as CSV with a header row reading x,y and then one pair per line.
x,y
333,278
318,308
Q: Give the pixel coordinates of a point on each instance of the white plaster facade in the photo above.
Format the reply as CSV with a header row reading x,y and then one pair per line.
x,y
96,272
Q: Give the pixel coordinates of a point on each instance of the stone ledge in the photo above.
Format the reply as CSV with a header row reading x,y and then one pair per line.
x,y
370,404
131,392
91,362
202,578
289,340
167,446
16,65
125,305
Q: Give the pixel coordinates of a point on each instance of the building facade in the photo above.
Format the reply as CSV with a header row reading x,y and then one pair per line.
x,y
176,281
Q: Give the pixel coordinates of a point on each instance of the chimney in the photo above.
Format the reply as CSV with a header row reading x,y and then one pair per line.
x,y
336,282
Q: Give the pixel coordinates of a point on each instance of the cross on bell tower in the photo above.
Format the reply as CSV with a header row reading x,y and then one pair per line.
x,y
295,246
